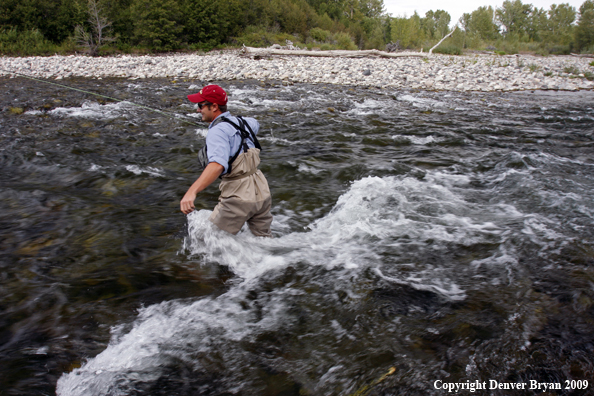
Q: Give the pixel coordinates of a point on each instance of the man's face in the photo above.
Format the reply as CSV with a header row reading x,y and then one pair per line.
x,y
207,110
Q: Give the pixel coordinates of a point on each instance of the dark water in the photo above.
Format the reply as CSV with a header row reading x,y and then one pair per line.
x,y
447,235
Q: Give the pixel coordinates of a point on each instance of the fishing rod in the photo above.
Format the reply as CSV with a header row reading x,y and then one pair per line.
x,y
172,115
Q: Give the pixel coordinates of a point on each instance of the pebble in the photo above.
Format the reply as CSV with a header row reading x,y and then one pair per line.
x,y
476,72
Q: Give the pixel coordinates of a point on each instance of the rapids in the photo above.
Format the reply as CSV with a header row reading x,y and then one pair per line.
x,y
447,235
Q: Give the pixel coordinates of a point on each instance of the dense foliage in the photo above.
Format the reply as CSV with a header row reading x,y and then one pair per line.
x,y
39,27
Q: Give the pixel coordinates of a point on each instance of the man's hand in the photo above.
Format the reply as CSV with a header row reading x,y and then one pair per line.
x,y
187,202
209,174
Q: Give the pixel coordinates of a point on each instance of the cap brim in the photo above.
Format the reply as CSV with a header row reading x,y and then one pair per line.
x,y
196,98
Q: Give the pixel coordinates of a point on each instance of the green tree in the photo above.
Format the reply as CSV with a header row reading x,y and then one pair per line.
x,y
481,23
206,23
55,19
436,24
537,20
514,17
157,24
408,31
372,8
559,25
584,31
442,23
119,12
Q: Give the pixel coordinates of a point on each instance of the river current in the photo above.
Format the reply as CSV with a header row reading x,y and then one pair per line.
x,y
418,237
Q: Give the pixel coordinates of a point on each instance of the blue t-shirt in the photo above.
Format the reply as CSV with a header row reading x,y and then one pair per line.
x,y
223,140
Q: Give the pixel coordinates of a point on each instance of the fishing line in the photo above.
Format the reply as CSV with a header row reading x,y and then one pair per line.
x,y
172,115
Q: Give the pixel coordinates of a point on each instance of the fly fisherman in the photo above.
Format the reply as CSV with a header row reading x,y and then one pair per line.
x,y
232,152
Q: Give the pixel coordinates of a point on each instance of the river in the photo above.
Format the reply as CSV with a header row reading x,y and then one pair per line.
x,y
418,237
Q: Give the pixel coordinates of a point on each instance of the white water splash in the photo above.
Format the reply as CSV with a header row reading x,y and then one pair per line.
x,y
376,215
96,111
418,139
149,170
418,101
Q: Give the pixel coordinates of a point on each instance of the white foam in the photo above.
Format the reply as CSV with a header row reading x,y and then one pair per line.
x,y
419,140
94,110
149,170
367,107
375,216
303,168
202,132
163,332
420,101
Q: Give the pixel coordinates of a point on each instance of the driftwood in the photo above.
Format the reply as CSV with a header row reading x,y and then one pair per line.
x,y
441,41
290,50
265,52
583,55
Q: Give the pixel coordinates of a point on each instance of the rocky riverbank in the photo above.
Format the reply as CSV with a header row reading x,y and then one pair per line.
x,y
437,72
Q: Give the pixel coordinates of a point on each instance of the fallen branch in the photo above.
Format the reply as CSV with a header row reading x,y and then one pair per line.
x,y
265,52
441,41
583,55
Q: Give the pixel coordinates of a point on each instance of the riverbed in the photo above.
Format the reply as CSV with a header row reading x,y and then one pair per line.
x,y
419,236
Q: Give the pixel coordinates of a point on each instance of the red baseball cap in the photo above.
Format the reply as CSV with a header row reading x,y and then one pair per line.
x,y
210,93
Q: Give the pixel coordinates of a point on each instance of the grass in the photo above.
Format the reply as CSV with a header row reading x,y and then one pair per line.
x,y
571,70
588,75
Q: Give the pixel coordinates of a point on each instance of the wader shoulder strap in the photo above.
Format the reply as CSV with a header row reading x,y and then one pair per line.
x,y
241,128
252,134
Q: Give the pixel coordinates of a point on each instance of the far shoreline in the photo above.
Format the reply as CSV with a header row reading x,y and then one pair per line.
x,y
469,72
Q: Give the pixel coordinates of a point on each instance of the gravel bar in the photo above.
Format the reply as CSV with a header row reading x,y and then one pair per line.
x,y
476,72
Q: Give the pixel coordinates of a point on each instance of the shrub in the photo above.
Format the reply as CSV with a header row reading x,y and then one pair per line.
x,y
448,50
559,50
344,41
28,42
320,35
588,50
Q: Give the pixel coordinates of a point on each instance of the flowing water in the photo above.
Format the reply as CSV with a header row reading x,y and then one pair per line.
x,y
448,236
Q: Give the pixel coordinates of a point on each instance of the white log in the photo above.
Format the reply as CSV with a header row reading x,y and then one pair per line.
x,y
441,41
263,52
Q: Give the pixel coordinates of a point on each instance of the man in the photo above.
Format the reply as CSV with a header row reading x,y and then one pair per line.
x,y
232,152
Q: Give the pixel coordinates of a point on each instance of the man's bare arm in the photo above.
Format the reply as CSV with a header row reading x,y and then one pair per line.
x,y
209,175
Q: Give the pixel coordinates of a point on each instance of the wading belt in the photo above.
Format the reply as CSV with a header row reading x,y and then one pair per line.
x,y
242,127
